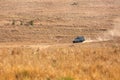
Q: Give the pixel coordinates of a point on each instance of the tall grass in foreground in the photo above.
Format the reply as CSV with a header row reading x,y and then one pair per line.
x,y
63,62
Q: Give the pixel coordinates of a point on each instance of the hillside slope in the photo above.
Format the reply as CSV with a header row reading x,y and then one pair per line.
x,y
56,21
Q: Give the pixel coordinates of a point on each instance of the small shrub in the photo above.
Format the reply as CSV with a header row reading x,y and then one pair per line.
x,y
13,22
23,75
48,79
74,3
31,22
21,22
66,78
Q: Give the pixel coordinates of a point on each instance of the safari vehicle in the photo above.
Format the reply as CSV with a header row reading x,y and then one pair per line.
x,y
79,39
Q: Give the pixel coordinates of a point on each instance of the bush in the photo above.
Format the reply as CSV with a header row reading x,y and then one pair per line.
x,y
21,22
31,22
13,22
74,3
23,75
66,78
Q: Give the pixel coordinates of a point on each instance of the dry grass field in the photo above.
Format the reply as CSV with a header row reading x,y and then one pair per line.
x,y
88,61
36,40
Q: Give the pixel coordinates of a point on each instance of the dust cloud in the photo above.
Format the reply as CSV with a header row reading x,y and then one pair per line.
x,y
108,35
115,32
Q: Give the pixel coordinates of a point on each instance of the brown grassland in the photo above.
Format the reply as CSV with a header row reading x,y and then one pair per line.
x,y
36,40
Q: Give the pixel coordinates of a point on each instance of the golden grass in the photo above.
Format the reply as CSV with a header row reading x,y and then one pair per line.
x,y
61,62
59,23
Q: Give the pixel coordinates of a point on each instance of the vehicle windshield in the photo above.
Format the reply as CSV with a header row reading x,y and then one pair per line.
x,y
79,37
